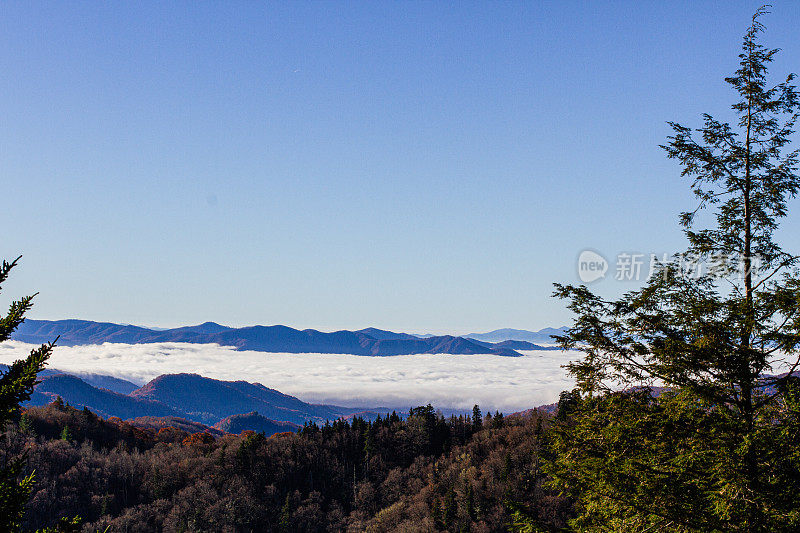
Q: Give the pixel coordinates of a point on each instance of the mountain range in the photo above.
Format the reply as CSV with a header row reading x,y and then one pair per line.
x,y
523,335
187,401
187,396
283,339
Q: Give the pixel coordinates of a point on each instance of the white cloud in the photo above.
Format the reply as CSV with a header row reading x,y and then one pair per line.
x,y
505,383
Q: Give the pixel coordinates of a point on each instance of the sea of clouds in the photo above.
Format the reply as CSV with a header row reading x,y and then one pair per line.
x,y
447,381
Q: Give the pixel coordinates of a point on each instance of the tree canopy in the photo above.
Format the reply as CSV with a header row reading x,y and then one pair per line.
x,y
16,386
717,449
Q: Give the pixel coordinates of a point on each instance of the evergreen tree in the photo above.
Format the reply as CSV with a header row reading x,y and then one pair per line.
x,y
25,425
477,418
16,386
449,508
285,518
58,403
497,420
715,452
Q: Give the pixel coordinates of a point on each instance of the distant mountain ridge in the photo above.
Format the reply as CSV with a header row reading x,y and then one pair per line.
x,y
281,339
508,334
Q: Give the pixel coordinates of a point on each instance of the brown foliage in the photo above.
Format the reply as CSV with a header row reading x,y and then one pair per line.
x,y
425,473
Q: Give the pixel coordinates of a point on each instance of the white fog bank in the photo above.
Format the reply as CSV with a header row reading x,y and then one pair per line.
x,y
457,381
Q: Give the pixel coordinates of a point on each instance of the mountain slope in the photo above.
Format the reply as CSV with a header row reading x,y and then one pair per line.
x,y
187,396
384,335
254,422
79,394
523,345
209,400
101,381
160,422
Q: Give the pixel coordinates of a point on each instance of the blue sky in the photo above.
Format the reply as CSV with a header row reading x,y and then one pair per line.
x,y
428,167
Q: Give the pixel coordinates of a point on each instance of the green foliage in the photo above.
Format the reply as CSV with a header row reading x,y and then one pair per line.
x,y
16,386
522,521
25,425
675,462
65,525
14,491
284,520
568,401
720,451
66,435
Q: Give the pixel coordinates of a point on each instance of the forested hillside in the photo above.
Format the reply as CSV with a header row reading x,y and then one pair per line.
x,y
423,472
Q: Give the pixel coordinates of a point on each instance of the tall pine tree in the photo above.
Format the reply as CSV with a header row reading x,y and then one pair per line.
x,y
720,449
16,386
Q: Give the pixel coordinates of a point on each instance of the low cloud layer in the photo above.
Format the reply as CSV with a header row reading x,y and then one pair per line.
x,y
456,381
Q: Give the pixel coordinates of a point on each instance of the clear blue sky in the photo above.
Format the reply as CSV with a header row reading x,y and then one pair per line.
x,y
425,167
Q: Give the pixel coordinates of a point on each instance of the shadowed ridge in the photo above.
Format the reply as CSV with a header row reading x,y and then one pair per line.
x,y
104,402
209,400
254,422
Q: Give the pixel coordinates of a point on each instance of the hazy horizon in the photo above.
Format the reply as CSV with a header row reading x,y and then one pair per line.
x,y
328,330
